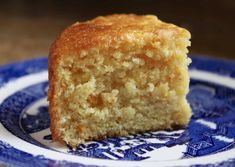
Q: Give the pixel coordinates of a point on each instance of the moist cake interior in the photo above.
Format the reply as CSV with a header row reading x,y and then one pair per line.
x,y
120,91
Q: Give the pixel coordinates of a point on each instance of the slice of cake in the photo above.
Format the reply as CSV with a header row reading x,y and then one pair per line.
x,y
118,75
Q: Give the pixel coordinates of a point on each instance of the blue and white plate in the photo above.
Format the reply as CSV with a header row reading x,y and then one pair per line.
x,y
209,140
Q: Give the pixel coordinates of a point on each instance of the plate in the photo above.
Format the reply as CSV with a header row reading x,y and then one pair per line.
x,y
209,140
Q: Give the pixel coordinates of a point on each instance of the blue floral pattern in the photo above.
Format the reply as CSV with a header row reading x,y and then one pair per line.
x,y
211,128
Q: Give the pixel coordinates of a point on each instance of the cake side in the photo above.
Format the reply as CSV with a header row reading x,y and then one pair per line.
x,y
118,75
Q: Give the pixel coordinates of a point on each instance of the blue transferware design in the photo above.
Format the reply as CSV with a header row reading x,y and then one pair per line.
x,y
199,142
11,110
35,123
13,157
16,70
136,149
213,105
210,103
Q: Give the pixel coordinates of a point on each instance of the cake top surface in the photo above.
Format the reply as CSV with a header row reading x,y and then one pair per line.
x,y
110,31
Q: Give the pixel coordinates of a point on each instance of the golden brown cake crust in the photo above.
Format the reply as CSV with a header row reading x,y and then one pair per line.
x,y
101,32
105,31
